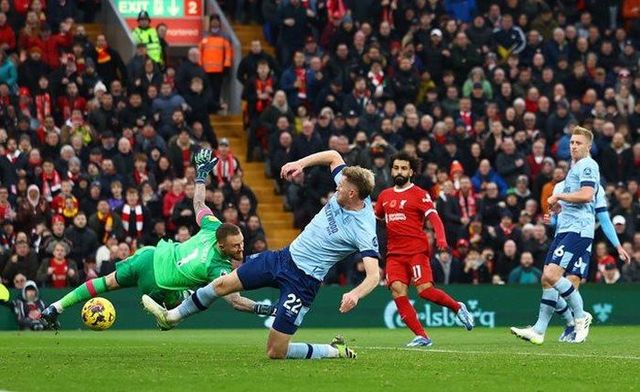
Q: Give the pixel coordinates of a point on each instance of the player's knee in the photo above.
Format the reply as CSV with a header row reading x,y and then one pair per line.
x,y
424,286
398,289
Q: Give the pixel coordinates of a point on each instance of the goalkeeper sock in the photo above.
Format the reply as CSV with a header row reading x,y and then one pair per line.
x,y
409,316
311,351
562,308
547,307
85,291
441,298
571,295
199,301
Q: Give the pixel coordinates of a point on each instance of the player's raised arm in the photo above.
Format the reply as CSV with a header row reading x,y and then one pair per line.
x,y
371,280
327,158
205,162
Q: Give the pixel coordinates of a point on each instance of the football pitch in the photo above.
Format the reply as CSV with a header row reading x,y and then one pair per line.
x,y
234,360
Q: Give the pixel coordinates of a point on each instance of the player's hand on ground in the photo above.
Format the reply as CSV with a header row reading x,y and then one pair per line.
x,y
349,301
291,170
624,256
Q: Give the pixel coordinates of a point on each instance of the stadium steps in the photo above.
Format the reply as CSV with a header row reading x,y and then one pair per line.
x,y
277,223
248,33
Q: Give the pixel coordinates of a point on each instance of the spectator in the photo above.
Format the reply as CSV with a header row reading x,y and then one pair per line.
x,y
447,269
228,165
84,240
58,271
525,273
507,260
28,308
611,274
216,56
23,262
105,223
148,35
510,163
249,64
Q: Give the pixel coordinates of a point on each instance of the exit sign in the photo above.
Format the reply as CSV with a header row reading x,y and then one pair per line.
x,y
160,8
182,17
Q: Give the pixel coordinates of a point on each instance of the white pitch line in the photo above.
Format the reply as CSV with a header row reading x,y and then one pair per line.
x,y
431,350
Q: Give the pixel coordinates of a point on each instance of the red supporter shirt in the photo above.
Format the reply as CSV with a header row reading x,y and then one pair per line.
x,y
404,213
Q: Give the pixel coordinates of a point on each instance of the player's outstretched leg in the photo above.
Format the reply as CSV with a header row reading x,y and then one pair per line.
x,y
279,345
439,297
158,311
85,291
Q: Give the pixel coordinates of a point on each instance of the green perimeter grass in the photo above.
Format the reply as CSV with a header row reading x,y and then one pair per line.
x,y
234,360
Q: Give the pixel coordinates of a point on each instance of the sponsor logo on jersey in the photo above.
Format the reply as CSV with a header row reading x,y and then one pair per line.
x,y
435,316
331,219
396,216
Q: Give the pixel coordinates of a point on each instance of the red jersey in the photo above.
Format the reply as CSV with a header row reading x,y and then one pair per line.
x,y
405,212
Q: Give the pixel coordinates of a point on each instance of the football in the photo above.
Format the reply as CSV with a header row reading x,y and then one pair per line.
x,y
98,314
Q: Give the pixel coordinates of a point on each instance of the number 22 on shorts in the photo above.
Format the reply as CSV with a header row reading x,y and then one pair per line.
x,y
293,305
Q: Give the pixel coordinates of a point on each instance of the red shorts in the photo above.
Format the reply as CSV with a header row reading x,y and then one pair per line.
x,y
409,269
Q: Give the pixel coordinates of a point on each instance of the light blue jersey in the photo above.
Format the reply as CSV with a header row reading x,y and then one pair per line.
x,y
333,235
601,198
580,217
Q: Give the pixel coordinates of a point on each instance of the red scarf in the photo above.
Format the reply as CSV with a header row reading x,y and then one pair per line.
x,y
468,121
225,169
301,77
59,275
467,204
13,156
139,178
261,87
127,210
103,55
74,178
50,184
43,106
506,229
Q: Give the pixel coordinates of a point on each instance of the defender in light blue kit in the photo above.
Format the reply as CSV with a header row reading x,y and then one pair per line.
x,y
573,239
345,225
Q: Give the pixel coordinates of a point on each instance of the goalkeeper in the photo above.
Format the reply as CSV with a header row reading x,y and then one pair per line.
x,y
166,271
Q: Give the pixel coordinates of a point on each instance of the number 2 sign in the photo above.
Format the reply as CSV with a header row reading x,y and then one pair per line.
x,y
193,8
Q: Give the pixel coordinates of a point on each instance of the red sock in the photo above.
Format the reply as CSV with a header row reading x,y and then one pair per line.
x,y
409,316
441,298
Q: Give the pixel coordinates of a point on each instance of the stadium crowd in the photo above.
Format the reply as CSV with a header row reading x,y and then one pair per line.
x,y
485,94
96,154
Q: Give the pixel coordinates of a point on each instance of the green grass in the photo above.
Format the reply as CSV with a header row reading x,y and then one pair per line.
x,y
234,360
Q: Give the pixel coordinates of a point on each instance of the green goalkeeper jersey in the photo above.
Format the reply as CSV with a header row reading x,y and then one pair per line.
x,y
191,264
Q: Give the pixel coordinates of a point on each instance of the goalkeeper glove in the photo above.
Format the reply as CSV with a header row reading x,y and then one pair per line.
x,y
204,164
264,309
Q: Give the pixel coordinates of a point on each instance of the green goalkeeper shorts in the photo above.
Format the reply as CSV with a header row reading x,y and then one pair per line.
x,y
137,271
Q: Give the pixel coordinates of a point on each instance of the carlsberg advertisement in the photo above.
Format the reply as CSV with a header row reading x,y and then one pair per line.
x,y
491,306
